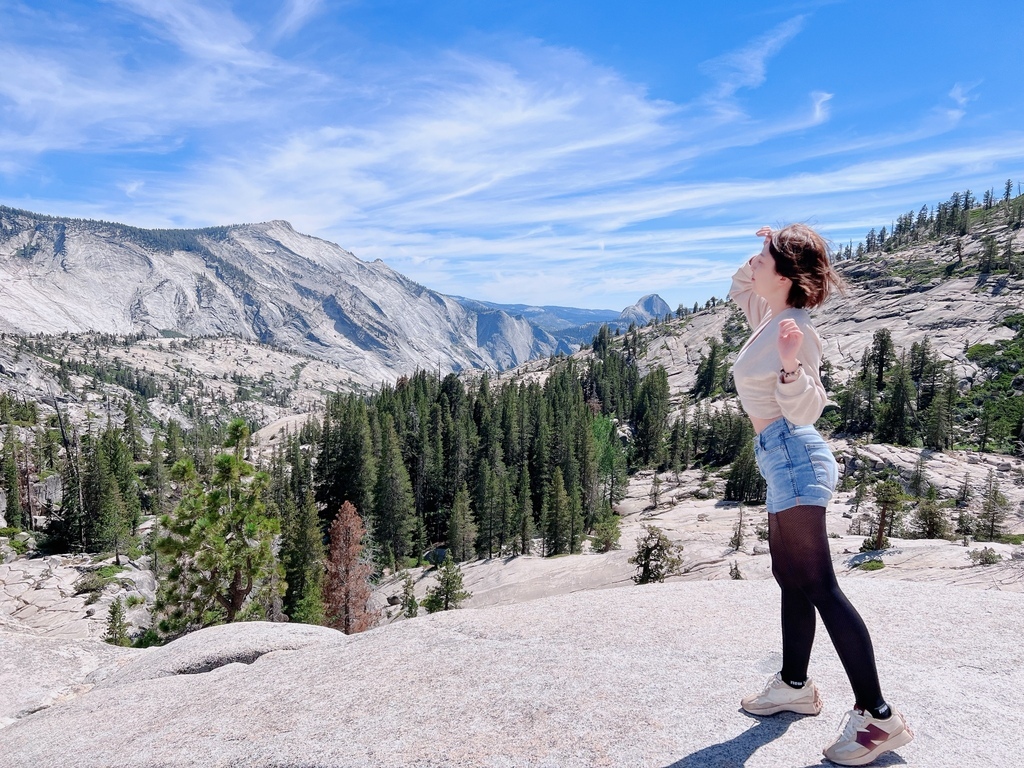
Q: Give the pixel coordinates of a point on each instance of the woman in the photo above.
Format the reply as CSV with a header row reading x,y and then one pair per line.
x,y
777,378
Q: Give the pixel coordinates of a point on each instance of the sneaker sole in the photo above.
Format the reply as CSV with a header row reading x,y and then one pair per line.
x,y
800,709
810,708
901,739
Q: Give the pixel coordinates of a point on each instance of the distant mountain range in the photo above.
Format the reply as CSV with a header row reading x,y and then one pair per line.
x,y
268,283
572,326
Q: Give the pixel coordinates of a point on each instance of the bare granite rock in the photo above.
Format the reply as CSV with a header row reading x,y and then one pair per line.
x,y
637,676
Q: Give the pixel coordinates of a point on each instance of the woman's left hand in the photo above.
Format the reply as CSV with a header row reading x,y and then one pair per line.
x,y
790,339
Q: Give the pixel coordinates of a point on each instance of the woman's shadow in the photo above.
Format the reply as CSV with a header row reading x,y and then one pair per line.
x,y
735,752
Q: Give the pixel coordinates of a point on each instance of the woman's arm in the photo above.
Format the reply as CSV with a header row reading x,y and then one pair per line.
x,y
802,397
742,291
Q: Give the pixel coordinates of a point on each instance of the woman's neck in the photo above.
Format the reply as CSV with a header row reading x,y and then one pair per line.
x,y
778,304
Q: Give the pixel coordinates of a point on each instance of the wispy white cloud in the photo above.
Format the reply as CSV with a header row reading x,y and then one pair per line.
x,y
207,30
293,16
87,94
748,66
961,94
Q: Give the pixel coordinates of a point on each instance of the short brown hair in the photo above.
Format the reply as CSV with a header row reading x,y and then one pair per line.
x,y
801,254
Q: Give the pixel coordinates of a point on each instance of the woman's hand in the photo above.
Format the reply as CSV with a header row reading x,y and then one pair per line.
x,y
790,339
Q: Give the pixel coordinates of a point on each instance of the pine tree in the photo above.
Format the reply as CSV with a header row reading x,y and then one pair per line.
x,y
896,417
889,498
883,354
131,431
393,499
410,607
156,478
651,417
462,531
345,468
12,482
745,482
931,521
449,593
117,625
219,544
562,531
302,555
938,418
522,525
710,371
656,557
994,508
347,591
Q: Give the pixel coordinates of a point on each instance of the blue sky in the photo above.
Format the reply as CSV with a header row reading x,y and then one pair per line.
x,y
557,152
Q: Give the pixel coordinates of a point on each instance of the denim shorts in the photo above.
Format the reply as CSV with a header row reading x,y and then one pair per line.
x,y
797,465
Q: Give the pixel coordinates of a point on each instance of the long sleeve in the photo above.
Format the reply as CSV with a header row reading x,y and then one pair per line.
x,y
803,399
742,292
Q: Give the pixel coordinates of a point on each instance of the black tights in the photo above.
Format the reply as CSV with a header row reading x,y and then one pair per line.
x,y
802,565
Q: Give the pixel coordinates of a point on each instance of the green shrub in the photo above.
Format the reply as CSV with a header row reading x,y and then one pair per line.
x,y
18,546
134,600
985,556
871,565
95,581
147,639
9,532
606,534
108,572
869,544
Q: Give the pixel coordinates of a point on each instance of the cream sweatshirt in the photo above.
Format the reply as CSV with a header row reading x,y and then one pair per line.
x,y
757,367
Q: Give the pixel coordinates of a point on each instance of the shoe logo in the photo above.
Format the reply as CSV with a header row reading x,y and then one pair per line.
x,y
871,736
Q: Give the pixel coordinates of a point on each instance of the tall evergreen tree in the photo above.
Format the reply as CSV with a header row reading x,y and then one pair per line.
x,y
931,521
994,509
939,416
393,500
345,467
651,417
523,529
12,481
302,555
745,483
896,418
117,625
347,590
883,354
889,498
462,531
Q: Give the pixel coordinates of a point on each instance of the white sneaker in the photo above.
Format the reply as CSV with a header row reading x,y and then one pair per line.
x,y
777,696
864,738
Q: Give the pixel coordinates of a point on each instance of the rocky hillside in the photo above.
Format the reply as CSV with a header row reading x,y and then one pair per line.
x,y
260,282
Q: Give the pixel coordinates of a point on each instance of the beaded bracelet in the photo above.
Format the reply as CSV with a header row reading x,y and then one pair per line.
x,y
786,374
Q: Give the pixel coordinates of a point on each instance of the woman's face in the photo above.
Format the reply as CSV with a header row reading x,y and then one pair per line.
x,y
768,283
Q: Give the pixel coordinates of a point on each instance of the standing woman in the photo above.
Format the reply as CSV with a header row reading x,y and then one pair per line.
x,y
777,378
